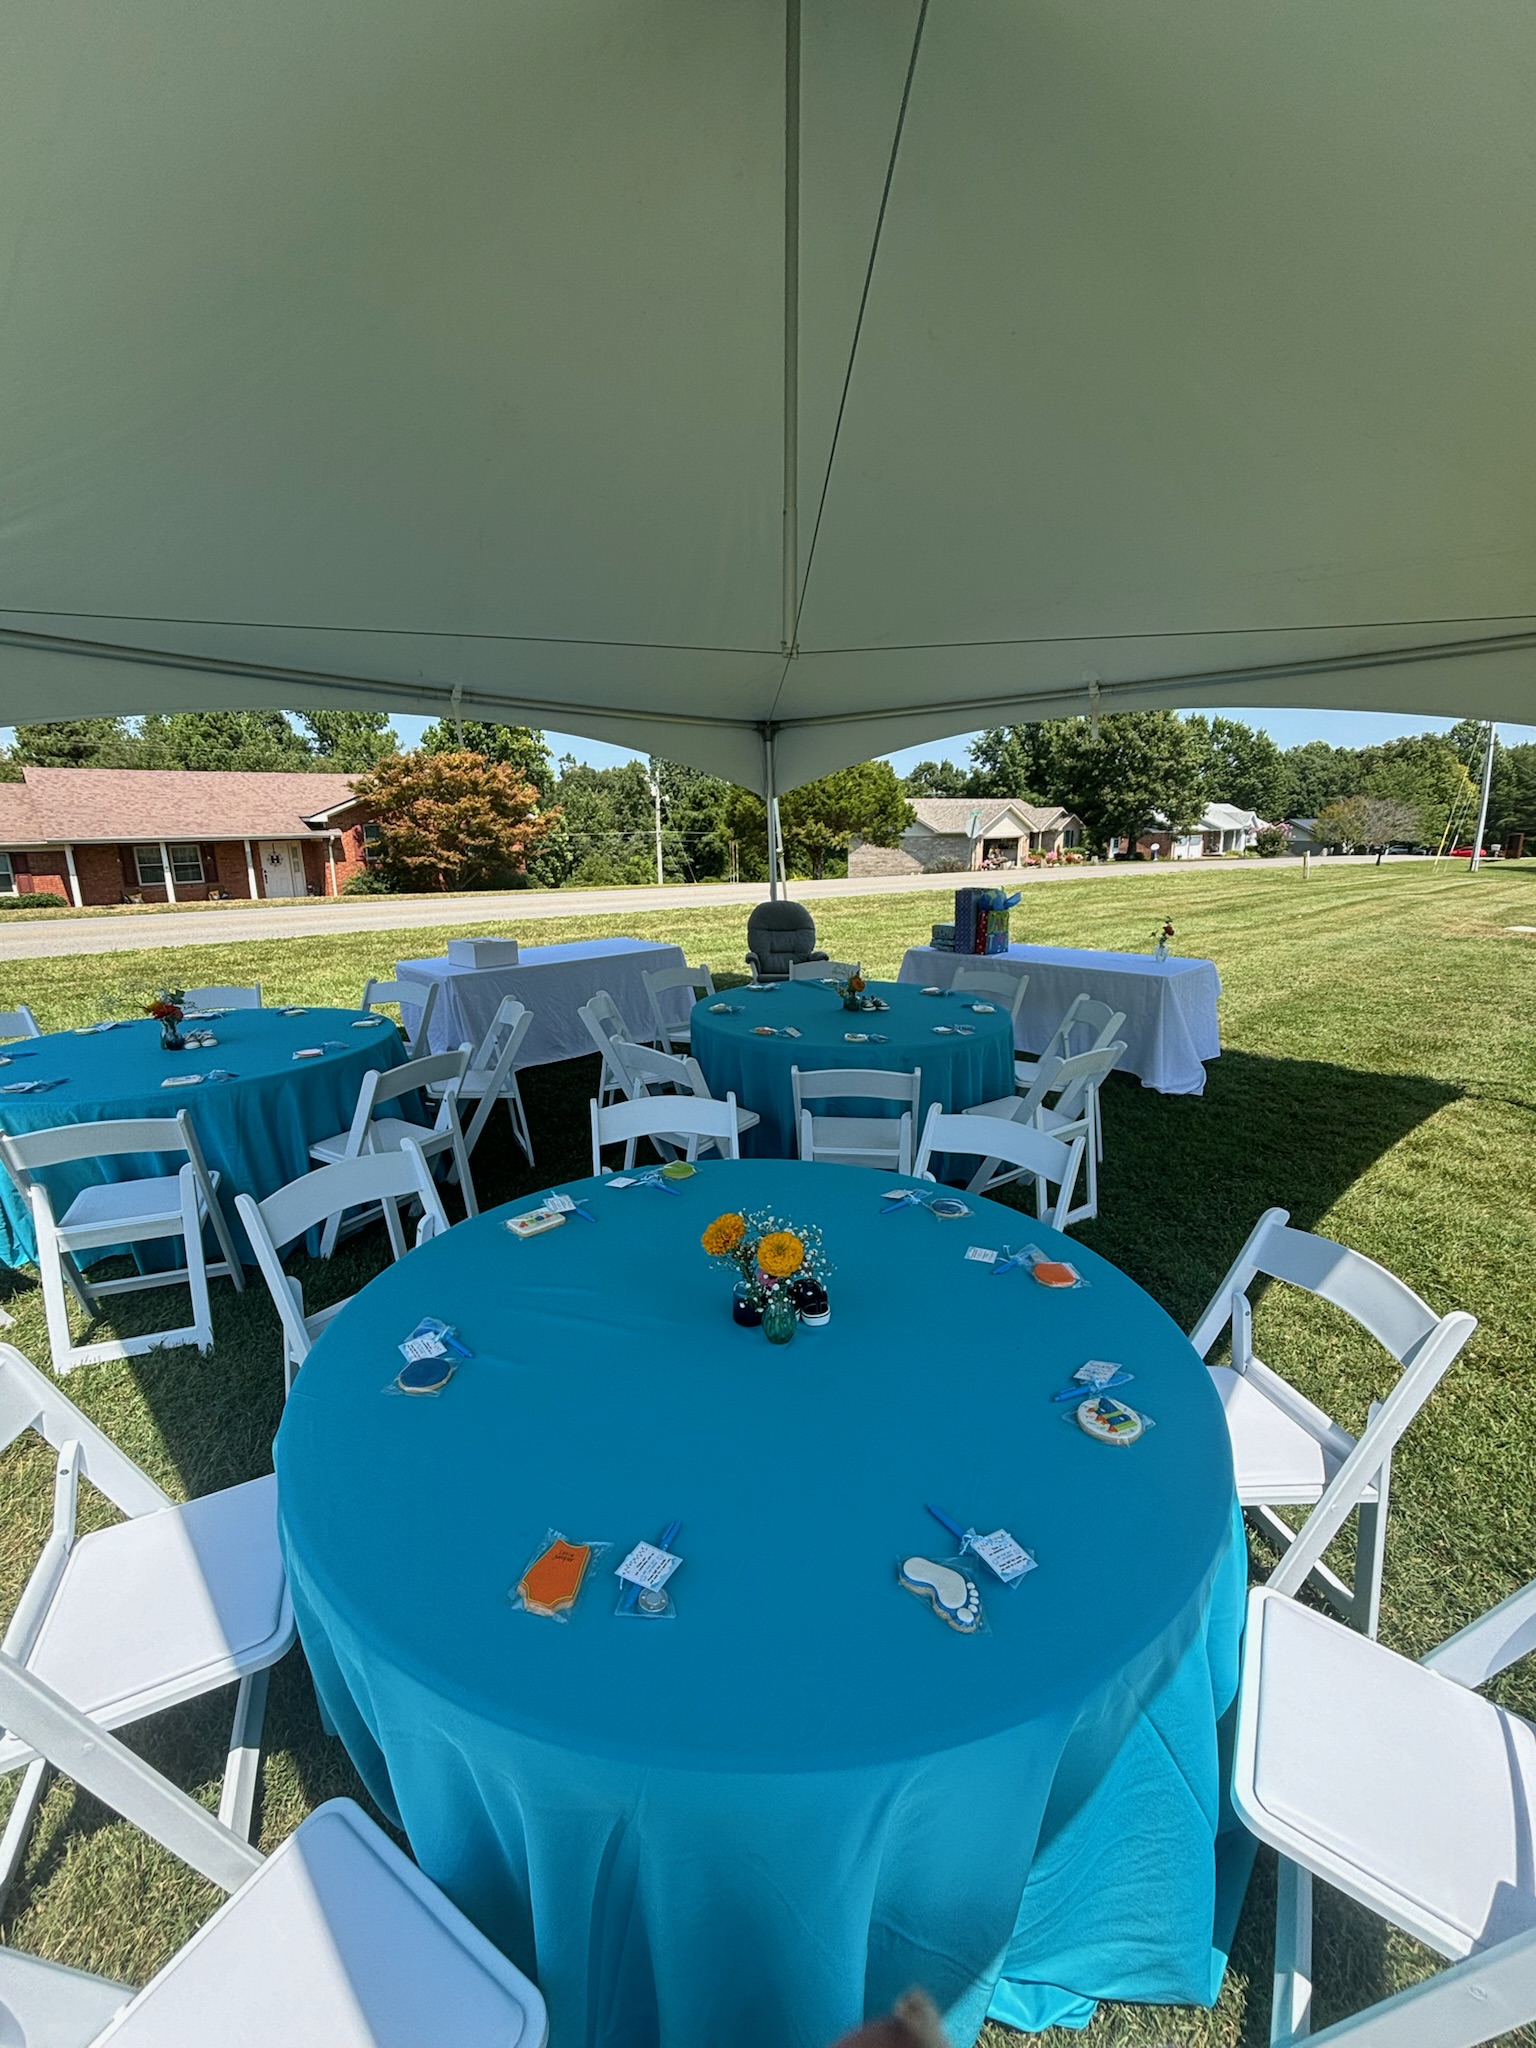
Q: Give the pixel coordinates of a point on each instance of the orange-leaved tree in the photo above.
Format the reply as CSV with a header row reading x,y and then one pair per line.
x,y
453,821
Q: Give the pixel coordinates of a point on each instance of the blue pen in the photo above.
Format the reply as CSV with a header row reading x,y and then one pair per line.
x,y
1085,1387
954,1528
632,1591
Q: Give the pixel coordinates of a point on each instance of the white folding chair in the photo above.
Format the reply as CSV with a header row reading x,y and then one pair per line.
x,y
369,1132
992,1139
280,1219
648,1071
121,1212
658,983
606,1028
420,995
225,996
1086,1026
1285,1450
335,1940
491,1075
170,1604
1401,1786
823,970
678,1121
19,1023
857,1140
1007,989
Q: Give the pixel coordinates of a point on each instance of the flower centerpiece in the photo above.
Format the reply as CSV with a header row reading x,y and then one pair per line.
x,y
167,1009
1160,949
779,1270
852,991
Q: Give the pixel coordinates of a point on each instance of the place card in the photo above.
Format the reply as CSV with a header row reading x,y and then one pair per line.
x,y
182,1081
1008,1558
982,1255
648,1567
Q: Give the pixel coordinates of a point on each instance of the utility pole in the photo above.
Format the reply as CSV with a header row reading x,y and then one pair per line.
x,y
1482,809
656,798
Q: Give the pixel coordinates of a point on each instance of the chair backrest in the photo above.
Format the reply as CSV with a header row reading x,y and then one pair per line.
x,y
990,1137
437,1069
1086,1026
610,1034
777,935
512,1020
225,996
27,1151
668,1117
30,1400
420,995
649,1069
661,980
880,1084
19,1023
851,1138
981,981
1071,1080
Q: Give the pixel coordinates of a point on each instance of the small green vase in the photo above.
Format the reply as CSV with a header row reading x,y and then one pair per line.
x,y
779,1317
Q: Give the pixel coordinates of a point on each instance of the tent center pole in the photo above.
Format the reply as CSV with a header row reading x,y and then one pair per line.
x,y
771,801
790,570
1482,808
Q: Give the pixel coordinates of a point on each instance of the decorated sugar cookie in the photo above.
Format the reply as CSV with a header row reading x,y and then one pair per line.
x,y
953,1596
1055,1273
552,1581
1109,1420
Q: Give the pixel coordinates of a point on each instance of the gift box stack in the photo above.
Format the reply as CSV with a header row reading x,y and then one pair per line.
x,y
981,920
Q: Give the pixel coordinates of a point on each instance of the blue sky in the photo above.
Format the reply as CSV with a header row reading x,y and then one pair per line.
x,y
1288,729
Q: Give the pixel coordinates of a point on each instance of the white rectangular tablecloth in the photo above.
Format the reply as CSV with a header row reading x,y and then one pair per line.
x,y
553,981
1170,1005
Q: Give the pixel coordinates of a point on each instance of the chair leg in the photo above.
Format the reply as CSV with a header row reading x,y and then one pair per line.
x,y
242,1771
13,1842
1370,1553
1290,2017
197,1265
55,1307
466,1183
519,1116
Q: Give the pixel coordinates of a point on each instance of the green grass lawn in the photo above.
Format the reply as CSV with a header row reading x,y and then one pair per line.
x,y
1379,1081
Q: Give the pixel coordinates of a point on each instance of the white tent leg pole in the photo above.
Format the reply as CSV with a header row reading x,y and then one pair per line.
x,y
1482,809
771,800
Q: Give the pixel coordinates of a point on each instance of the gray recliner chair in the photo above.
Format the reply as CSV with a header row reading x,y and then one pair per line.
x,y
779,936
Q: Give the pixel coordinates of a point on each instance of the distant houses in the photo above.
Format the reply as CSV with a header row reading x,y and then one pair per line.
x,y
956,835
1223,829
149,835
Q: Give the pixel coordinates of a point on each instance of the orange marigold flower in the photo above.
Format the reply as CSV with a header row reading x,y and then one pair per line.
x,y
724,1234
856,982
780,1253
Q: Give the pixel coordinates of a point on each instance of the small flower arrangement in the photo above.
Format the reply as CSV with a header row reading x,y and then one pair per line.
x,y
168,1007
852,991
1161,938
768,1258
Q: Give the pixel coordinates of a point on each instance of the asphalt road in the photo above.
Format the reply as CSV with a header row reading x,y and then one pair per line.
x,y
23,938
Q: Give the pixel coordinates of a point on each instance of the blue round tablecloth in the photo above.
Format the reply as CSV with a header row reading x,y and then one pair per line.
x,y
969,1061
255,1130
758,1819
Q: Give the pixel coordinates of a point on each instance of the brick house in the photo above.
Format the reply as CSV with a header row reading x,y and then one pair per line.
x,y
1223,829
956,835
152,835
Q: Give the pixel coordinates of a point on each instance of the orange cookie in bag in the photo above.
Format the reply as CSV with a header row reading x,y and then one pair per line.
x,y
552,1581
1055,1273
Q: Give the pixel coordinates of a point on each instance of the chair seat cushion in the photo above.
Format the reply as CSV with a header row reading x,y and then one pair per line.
x,y
1274,1459
336,1942
156,1608
132,1202
1423,1791
385,1133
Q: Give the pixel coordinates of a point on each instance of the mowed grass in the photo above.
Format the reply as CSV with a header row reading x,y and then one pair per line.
x,y
1379,1081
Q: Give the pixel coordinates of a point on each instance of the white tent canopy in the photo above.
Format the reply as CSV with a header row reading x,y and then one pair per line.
x,y
836,374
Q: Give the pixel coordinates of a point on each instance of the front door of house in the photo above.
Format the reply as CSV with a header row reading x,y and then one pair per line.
x,y
282,868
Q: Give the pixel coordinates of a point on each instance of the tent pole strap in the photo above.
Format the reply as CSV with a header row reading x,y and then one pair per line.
x,y
790,572
771,800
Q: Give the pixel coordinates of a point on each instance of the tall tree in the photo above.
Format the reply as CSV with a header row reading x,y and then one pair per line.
x,y
259,740
1014,760
1140,768
76,743
454,821
1422,769
518,746
938,778
347,742
1316,774
820,818
1243,766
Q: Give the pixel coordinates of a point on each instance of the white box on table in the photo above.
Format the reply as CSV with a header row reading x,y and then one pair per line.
x,y
482,952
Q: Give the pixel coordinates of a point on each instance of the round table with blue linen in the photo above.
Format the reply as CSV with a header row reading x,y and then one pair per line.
x,y
769,1814
966,1055
255,1129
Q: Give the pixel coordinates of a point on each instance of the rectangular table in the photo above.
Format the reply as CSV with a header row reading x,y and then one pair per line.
x,y
553,981
1170,1005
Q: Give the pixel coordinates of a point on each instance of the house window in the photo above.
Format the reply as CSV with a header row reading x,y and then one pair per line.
x,y
1071,837
7,875
186,865
371,847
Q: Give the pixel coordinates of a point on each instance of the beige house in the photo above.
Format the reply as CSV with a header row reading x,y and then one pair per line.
x,y
953,835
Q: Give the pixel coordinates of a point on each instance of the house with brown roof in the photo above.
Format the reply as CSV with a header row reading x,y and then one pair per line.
x,y
958,834
159,835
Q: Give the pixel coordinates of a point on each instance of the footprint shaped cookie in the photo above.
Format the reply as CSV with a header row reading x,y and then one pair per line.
x,y
952,1594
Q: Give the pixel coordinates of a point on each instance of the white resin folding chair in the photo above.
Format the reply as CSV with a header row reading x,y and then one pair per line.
x,y
884,1141
1047,1160
649,1072
491,1075
1285,1451
174,1602
370,1132
671,1037
335,1940
1401,1786
19,1023
225,996
421,995
1086,1026
385,1178
1007,989
607,1030
683,1122
824,970
147,1210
